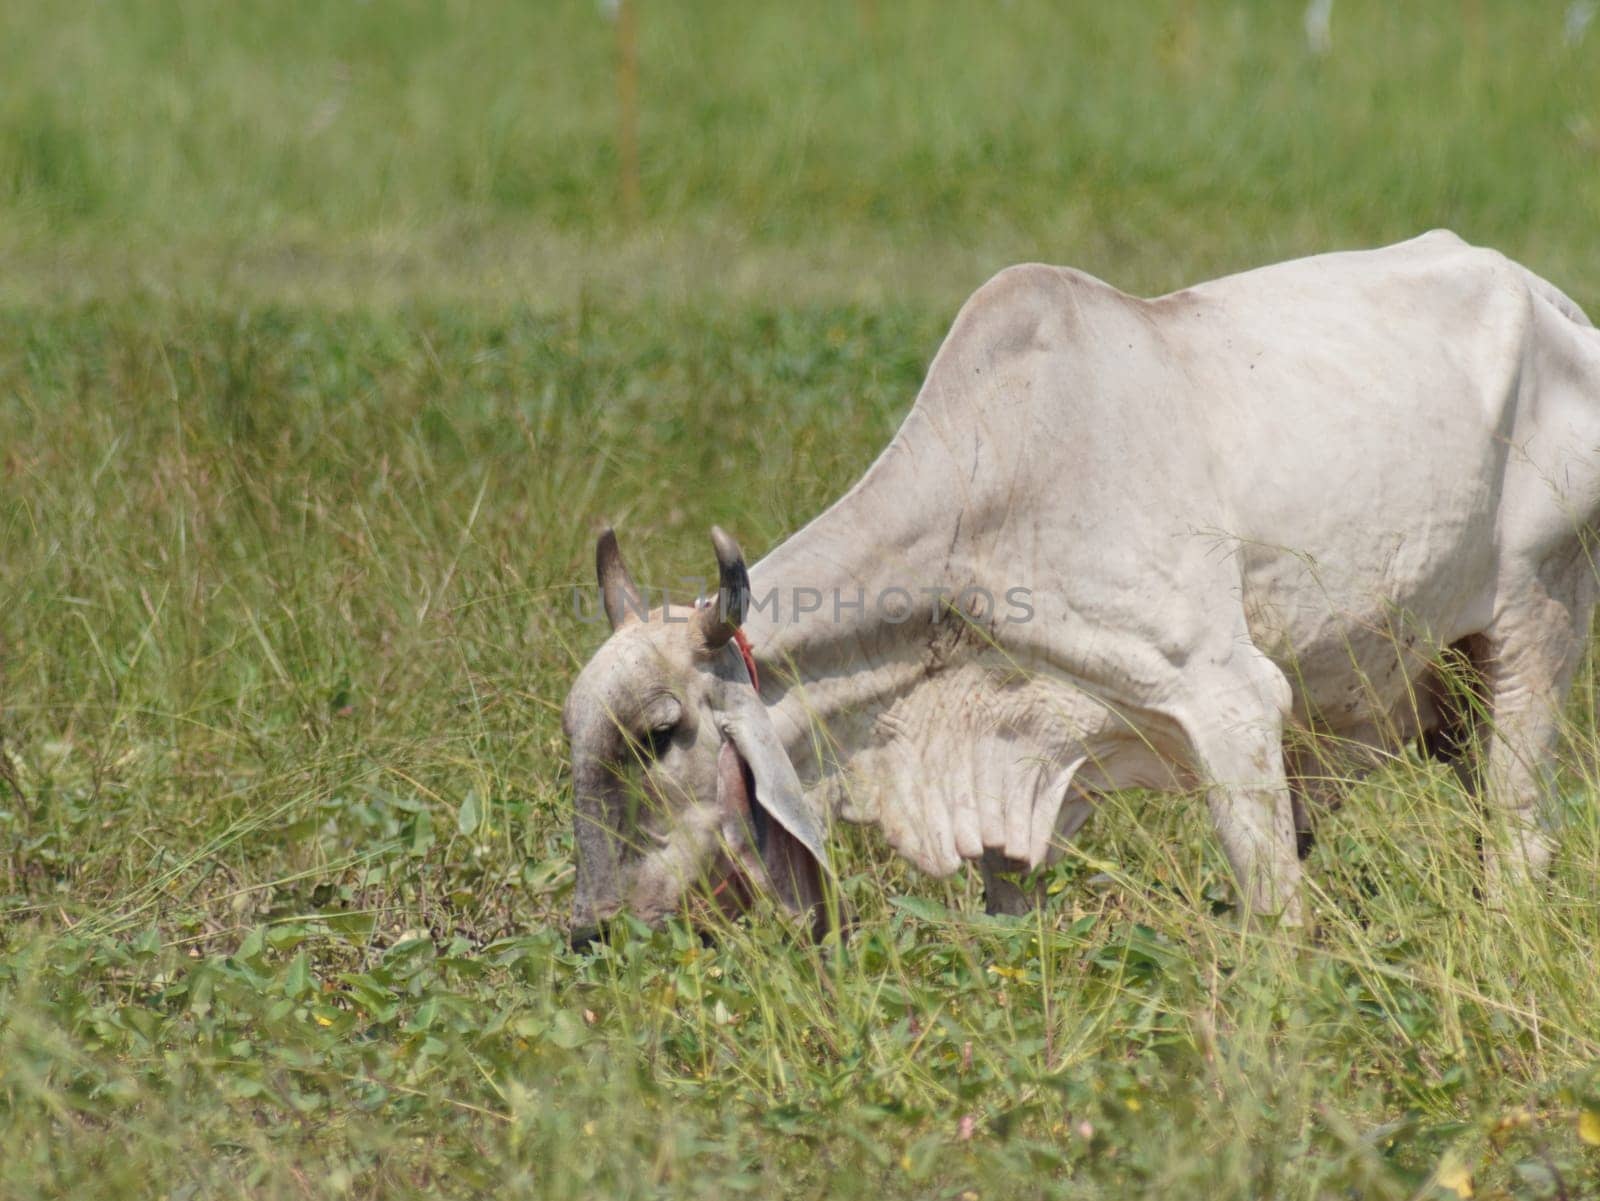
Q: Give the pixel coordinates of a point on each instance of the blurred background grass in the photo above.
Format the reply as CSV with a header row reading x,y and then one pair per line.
x,y
362,153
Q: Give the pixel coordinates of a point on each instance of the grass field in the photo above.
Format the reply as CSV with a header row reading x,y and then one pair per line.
x,y
324,345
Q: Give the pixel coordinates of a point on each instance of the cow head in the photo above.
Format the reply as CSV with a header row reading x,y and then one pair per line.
x,y
679,778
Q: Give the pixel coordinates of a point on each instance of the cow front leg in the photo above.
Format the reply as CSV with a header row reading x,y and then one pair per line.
x,y
1001,893
1238,750
1254,822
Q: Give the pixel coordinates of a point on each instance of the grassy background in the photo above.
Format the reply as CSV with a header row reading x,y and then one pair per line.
x,y
324,344
850,149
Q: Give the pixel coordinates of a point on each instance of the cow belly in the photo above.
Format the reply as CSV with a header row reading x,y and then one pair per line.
x,y
1360,648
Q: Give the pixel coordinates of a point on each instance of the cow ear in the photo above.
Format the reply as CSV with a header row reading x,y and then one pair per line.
x,y
794,852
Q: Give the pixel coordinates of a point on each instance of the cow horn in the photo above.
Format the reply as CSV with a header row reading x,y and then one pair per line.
x,y
719,620
617,590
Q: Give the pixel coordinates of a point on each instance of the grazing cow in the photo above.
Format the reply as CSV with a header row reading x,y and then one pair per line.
x,y
1166,535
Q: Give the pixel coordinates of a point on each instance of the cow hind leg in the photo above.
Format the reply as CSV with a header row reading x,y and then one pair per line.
x,y
1531,652
1460,699
1314,790
1305,829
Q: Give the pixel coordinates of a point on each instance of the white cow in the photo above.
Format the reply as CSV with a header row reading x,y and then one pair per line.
x,y
1171,534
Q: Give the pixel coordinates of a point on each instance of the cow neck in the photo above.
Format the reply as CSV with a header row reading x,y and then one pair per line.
x,y
841,653
897,527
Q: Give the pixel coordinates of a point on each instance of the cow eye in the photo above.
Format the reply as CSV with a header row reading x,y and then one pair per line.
x,y
658,740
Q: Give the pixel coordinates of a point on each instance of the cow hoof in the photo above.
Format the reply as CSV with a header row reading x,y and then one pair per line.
x,y
1005,899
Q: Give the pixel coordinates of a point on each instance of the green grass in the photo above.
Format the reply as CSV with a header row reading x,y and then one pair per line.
x,y
844,149
324,348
